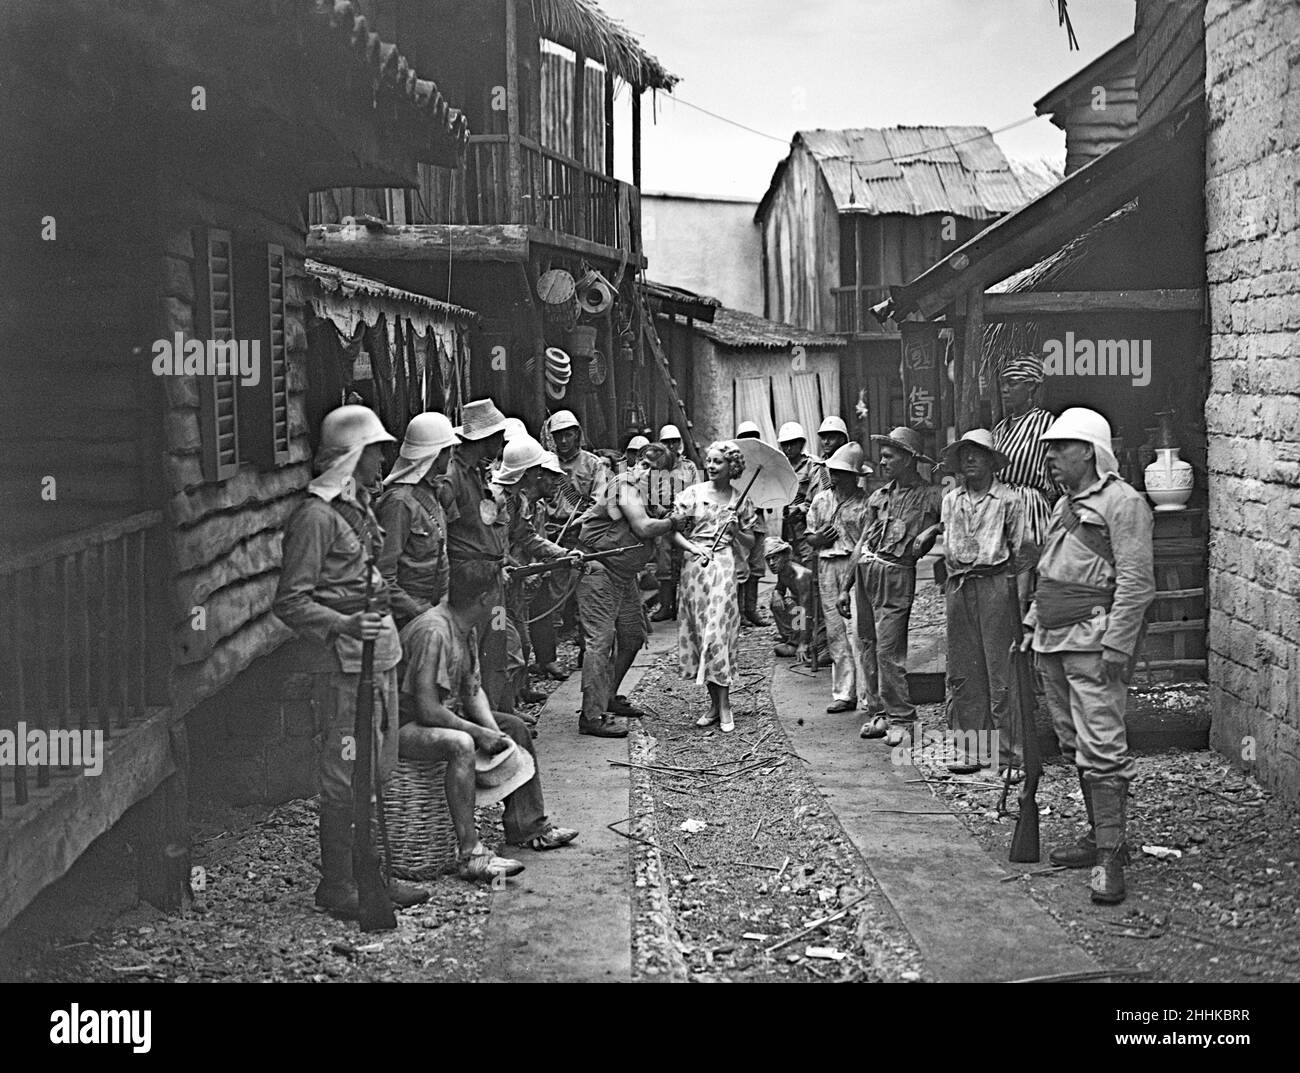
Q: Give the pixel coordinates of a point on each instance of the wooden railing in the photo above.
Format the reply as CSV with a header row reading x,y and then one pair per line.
x,y
75,632
556,192
853,309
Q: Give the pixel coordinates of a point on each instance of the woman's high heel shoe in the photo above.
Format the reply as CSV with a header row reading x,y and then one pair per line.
x,y
728,723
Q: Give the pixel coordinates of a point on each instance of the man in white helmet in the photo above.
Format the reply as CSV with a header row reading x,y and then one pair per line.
x,y
413,559
792,440
832,434
1096,578
668,559
747,590
518,482
586,474
330,544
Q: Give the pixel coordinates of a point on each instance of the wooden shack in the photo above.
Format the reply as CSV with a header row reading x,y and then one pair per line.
x,y
1109,263
1097,107
158,208
850,213
537,193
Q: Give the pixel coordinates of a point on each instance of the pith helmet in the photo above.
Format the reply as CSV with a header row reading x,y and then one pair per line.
x,y
790,432
352,426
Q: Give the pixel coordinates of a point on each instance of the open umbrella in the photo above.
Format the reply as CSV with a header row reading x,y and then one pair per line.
x,y
770,478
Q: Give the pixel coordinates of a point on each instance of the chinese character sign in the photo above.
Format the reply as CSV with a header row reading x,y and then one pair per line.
x,y
920,372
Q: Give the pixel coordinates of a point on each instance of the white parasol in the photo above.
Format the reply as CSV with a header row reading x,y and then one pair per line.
x,y
770,478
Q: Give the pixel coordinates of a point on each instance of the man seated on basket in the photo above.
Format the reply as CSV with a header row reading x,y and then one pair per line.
x,y
446,716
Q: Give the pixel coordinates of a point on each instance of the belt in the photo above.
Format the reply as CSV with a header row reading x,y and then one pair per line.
x,y
1000,570
350,605
886,560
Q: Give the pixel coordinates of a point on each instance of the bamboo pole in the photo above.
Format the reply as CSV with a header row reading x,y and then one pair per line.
x,y
968,415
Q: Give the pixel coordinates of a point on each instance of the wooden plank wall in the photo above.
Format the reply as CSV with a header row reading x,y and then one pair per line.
x,y
75,285
226,535
1170,56
557,108
801,247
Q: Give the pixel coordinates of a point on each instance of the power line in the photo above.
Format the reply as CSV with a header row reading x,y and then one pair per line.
x,y
891,159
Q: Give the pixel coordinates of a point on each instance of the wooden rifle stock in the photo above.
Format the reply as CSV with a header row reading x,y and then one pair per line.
x,y
513,573
1025,847
376,909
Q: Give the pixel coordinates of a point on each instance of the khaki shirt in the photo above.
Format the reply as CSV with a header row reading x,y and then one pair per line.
x,y
984,531
413,559
1112,503
323,583
897,515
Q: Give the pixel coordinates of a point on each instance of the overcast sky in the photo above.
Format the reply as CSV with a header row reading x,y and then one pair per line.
x,y
785,65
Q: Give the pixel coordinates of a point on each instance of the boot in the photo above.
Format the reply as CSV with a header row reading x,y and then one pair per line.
x,y
403,895
750,611
1083,854
667,603
337,892
1110,802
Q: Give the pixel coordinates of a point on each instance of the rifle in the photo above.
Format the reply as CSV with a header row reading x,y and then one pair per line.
x,y
513,573
1024,841
376,909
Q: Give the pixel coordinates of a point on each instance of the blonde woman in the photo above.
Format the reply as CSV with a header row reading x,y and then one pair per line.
x,y
720,536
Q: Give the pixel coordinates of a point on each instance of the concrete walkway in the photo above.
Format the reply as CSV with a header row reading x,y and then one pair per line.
x,y
944,886
568,917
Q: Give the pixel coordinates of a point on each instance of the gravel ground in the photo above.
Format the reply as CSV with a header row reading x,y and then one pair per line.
x,y
770,859
1225,906
253,918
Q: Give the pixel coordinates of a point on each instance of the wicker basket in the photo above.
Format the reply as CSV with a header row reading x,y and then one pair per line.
x,y
421,836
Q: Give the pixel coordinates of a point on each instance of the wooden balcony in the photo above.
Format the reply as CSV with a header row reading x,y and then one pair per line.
x,y
853,310
562,202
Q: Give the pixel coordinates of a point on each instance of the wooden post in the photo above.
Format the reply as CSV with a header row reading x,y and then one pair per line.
x,y
528,281
514,166
161,834
636,136
610,341
580,108
972,357
609,122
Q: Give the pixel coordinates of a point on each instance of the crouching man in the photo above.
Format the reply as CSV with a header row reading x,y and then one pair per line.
x,y
330,545
450,718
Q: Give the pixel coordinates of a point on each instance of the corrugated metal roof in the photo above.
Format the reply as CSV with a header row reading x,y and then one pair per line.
x,y
918,170
734,330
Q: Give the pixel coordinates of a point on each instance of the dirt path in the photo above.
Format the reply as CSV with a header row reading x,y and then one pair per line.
x,y
751,856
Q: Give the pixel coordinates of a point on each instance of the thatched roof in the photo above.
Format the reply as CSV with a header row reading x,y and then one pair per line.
x,y
581,26
1069,268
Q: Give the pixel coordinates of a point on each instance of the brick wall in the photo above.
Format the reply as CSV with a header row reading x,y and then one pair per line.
x,y
256,741
1252,202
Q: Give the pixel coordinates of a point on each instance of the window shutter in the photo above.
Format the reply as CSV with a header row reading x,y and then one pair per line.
x,y
278,364
218,393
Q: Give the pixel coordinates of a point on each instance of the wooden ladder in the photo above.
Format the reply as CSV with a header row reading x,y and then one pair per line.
x,y
660,360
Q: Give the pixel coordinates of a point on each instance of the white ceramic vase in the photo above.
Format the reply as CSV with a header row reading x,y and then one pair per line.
x,y
1169,480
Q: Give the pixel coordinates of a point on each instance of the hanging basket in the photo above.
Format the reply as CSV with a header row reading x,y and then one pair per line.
x,y
421,836
582,341
597,368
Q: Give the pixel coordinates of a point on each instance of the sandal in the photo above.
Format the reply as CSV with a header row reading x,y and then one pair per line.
x,y
707,720
1012,775
875,727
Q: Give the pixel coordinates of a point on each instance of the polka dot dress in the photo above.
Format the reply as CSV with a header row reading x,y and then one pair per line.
x,y
708,614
